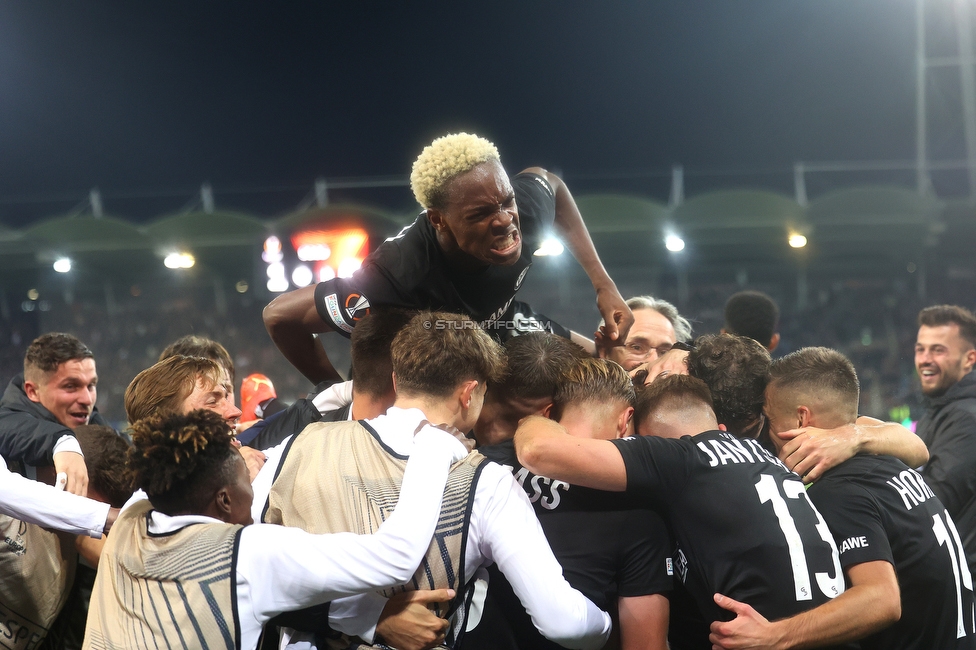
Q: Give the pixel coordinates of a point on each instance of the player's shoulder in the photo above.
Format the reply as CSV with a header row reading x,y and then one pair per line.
x,y
530,182
864,468
862,478
413,242
405,260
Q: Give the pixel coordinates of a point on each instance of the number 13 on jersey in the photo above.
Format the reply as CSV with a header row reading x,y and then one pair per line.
x,y
797,495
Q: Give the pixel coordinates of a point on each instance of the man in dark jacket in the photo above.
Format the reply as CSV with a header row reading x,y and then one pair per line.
x,y
39,408
945,354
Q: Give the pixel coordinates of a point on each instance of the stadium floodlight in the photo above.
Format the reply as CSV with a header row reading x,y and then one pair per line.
x,y
276,270
301,276
278,284
272,250
326,273
313,252
674,243
797,240
62,265
179,261
349,266
550,247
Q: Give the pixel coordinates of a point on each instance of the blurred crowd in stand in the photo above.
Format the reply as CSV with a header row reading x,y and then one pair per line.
x,y
870,321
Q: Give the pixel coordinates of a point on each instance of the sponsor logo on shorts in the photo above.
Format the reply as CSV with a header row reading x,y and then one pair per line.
x,y
335,313
357,306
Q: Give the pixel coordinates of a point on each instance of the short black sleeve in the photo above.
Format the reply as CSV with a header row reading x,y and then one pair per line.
x,y
536,202
654,465
854,518
341,302
645,566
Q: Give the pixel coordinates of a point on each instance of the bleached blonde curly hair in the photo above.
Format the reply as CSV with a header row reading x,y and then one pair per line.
x,y
442,160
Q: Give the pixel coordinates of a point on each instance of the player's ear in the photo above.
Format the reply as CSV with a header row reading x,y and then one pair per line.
x,y
30,389
968,360
394,384
467,391
773,342
623,421
803,416
547,411
436,219
222,506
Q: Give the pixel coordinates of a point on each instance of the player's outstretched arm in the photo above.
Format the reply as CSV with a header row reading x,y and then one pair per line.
x,y
47,506
545,449
811,451
569,224
872,603
292,322
301,569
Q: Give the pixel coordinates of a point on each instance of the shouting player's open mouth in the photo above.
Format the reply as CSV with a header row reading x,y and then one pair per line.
x,y
507,249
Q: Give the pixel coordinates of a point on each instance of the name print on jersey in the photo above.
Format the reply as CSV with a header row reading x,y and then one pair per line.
x,y
541,489
733,450
911,487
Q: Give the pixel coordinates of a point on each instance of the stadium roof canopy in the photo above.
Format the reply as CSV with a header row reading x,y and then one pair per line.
x,y
102,245
873,206
606,213
86,233
224,243
745,210
203,229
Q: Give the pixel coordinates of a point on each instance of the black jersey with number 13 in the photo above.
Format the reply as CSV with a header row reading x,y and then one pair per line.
x,y
742,521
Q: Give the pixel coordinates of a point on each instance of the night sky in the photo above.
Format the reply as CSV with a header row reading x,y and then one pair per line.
x,y
148,99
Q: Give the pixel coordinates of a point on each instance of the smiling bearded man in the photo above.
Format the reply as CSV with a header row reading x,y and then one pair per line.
x,y
945,355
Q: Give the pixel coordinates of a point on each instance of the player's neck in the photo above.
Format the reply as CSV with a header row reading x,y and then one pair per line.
x,y
367,407
588,423
437,411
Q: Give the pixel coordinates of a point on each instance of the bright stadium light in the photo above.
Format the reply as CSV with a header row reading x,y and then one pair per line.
x,y
62,265
550,248
276,270
674,243
278,284
326,273
797,240
301,276
272,250
349,266
314,252
179,261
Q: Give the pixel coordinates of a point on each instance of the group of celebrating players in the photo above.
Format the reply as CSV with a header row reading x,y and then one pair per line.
x,y
488,478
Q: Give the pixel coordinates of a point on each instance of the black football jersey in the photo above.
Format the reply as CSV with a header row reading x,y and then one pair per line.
x,y
606,543
743,523
608,546
879,509
410,271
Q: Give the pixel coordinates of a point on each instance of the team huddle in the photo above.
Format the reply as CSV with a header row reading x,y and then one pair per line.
x,y
488,478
